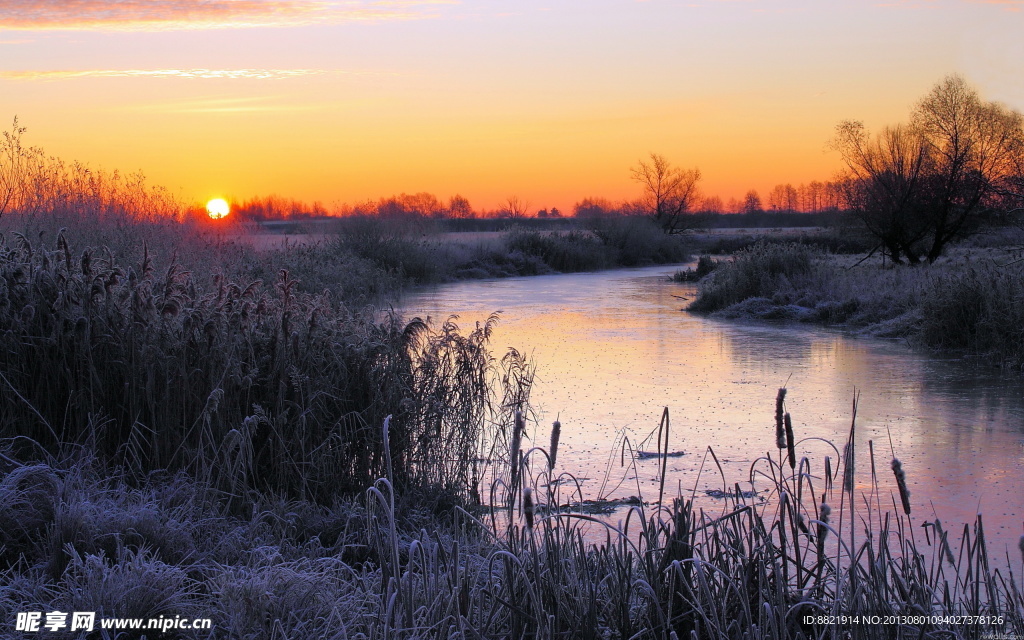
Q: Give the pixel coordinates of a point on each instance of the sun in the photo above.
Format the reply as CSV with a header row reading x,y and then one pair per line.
x,y
218,208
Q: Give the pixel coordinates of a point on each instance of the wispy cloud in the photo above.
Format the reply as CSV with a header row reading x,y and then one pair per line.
x,y
223,105
1009,5
235,105
161,15
230,74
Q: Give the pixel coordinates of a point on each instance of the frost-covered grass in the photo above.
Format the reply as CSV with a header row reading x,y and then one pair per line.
x,y
971,301
379,565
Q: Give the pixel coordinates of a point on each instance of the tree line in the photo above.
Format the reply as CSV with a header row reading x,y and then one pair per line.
x,y
915,186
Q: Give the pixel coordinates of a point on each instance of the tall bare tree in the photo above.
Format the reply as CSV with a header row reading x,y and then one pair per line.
x,y
669,193
974,150
920,186
884,185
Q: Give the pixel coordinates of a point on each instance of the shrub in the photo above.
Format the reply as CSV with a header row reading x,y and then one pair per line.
x,y
566,252
757,271
638,240
705,265
979,309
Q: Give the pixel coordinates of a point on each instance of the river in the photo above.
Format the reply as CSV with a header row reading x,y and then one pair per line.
x,y
613,348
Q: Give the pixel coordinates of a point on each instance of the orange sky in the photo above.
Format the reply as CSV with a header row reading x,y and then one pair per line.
x,y
550,100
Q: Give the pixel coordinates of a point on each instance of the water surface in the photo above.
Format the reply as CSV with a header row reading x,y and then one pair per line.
x,y
614,348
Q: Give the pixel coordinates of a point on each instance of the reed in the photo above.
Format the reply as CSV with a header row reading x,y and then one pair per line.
x,y
381,567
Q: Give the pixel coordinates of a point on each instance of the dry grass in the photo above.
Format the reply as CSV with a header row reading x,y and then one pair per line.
x,y
971,302
378,568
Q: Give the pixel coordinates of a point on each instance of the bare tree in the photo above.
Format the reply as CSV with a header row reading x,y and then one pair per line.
x,y
920,186
669,193
975,149
884,185
752,202
515,207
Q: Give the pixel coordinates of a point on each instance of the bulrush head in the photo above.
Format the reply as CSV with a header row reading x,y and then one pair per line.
x,y
824,514
528,507
556,433
780,430
901,483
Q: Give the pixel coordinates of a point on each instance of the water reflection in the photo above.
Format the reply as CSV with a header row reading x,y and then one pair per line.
x,y
613,348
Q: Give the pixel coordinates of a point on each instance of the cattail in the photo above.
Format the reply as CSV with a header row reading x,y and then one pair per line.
x,y
790,445
528,507
1021,545
942,541
824,512
556,432
780,430
901,482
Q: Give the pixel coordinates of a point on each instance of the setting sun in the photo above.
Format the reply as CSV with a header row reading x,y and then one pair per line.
x,y
218,208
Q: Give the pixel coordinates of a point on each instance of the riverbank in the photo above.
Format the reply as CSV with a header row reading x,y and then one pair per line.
x,y
969,303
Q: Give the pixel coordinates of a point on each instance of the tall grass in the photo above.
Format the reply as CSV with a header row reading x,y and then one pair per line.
x,y
245,384
756,271
823,544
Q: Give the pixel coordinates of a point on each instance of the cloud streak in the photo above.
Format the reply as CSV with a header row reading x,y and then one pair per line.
x,y
166,15
205,74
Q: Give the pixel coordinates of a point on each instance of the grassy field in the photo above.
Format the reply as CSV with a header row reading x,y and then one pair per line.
x,y
194,428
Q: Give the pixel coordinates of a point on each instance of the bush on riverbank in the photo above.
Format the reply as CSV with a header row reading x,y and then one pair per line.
x,y
756,271
971,304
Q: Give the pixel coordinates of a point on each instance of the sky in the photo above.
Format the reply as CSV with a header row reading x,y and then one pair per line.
x,y
550,101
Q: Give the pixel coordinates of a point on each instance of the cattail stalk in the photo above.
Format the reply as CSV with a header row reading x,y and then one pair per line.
x,y
824,512
790,444
513,456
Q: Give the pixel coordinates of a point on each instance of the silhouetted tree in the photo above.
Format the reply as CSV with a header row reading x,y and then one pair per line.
x,y
514,207
752,202
920,186
669,193
458,207
595,208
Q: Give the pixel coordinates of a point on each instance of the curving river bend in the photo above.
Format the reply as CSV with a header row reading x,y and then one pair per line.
x,y
613,348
